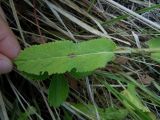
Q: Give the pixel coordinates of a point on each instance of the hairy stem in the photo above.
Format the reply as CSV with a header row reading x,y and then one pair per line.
x,y
136,50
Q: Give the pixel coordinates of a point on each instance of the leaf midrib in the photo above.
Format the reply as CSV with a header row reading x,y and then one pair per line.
x,y
60,57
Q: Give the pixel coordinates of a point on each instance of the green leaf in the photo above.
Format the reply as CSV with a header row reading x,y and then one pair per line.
x,y
109,113
58,90
114,114
155,44
63,56
131,95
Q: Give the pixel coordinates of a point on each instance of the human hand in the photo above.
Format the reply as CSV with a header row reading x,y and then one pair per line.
x,y
9,47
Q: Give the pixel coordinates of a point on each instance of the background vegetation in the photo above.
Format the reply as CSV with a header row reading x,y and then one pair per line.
x,y
127,88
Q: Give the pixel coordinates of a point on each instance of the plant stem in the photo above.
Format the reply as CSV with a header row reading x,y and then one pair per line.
x,y
136,50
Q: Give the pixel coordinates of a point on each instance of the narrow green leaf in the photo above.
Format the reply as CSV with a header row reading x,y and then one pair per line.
x,y
109,113
155,43
63,56
131,95
58,90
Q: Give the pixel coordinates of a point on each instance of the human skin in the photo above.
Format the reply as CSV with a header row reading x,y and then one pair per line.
x,y
9,47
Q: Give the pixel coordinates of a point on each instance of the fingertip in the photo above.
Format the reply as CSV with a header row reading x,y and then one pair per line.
x,y
5,64
9,45
14,47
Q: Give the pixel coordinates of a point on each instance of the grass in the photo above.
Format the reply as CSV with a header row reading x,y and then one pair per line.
x,y
128,88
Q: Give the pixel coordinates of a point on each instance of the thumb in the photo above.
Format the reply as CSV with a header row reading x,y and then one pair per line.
x,y
5,64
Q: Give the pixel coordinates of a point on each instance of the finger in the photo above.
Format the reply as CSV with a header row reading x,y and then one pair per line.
x,y
5,64
8,43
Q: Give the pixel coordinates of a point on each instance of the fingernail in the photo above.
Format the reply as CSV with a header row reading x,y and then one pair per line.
x,y
5,65
15,51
